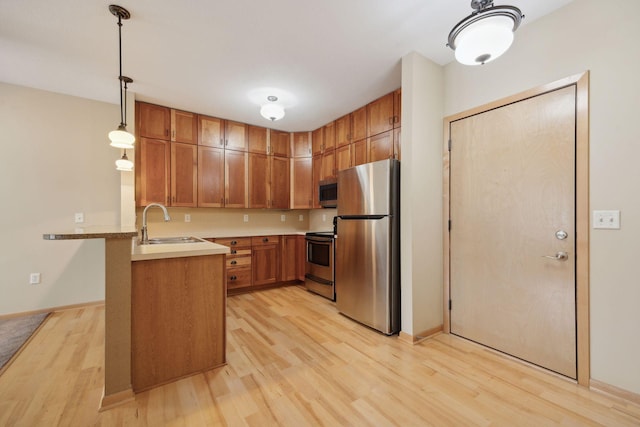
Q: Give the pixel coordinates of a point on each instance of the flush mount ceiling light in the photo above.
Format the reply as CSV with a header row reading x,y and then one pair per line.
x,y
271,110
124,164
485,34
121,138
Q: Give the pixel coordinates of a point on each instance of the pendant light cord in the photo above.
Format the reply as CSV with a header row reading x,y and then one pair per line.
x,y
122,122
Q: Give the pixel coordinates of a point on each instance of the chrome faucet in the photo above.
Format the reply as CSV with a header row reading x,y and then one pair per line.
x,y
145,236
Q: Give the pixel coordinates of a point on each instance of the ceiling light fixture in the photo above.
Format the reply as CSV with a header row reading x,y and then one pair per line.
x,y
121,138
485,34
124,164
271,110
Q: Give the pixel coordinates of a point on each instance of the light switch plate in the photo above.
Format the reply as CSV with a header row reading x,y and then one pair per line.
x,y
300,217
187,217
246,218
283,218
606,219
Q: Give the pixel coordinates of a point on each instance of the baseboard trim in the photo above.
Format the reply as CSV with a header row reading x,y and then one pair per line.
x,y
611,390
52,309
115,399
419,337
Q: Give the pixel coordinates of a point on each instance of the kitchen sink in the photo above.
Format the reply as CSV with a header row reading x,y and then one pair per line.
x,y
171,240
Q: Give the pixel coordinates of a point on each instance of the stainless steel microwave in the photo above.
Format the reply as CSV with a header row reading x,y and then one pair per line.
x,y
328,193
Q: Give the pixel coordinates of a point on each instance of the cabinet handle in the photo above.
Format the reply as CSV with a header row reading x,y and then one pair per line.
x,y
221,141
233,278
166,132
234,242
233,252
390,120
265,240
173,134
226,142
234,262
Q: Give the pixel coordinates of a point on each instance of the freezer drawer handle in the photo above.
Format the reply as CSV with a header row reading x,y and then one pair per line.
x,y
318,279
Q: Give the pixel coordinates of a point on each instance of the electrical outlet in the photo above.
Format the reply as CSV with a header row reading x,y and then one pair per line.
x,y
79,217
246,218
34,278
300,217
606,219
283,218
187,217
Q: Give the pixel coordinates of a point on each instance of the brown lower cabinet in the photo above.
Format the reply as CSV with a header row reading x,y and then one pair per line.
x,y
177,318
263,261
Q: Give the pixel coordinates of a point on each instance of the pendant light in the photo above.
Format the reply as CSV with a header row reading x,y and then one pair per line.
x,y
271,110
121,138
124,164
485,34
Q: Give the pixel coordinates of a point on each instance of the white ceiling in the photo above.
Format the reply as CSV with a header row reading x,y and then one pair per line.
x,y
324,57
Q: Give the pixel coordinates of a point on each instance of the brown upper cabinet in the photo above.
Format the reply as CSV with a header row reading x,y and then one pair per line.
x,y
329,136
257,139
152,171
397,108
279,142
210,177
158,122
301,187
343,130
381,146
317,140
380,115
359,124
235,136
301,144
184,175
210,131
268,181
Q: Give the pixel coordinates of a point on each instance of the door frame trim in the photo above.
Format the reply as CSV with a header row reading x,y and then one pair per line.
x,y
581,82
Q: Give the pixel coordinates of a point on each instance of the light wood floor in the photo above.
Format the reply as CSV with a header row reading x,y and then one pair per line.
x,y
294,361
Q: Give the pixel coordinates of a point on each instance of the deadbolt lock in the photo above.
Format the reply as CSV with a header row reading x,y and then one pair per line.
x,y
561,235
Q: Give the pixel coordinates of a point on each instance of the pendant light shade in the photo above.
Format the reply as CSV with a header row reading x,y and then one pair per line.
x,y
121,138
271,110
124,164
485,34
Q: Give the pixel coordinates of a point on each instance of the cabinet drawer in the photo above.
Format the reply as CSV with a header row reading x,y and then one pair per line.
x,y
264,240
239,277
238,261
233,242
238,252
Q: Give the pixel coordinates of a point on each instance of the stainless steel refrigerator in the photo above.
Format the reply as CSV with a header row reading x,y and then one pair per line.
x,y
367,252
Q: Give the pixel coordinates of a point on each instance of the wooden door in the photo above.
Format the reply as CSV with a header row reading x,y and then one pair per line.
x,y
359,124
279,182
265,260
359,152
257,139
184,175
153,121
328,164
317,141
512,191
343,157
236,179
301,257
184,127
235,136
343,130
381,146
380,115
289,252
301,144
258,180
210,131
280,142
317,173
329,134
152,171
210,177
301,184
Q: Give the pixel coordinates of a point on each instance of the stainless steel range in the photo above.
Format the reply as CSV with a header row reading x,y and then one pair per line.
x,y
319,276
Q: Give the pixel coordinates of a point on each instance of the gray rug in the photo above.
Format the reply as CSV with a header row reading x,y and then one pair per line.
x,y
15,332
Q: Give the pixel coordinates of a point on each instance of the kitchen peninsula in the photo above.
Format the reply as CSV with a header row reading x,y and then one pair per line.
x,y
120,251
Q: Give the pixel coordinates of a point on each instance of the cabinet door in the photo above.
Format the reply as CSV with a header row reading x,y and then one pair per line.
x,y
343,157
359,152
317,141
235,136
397,147
317,173
184,127
381,146
397,108
329,136
343,130
302,178
258,180
210,131
301,144
280,142
153,121
301,257
210,177
152,171
279,169
236,179
257,139
184,175
359,124
380,115
328,164
265,260
289,255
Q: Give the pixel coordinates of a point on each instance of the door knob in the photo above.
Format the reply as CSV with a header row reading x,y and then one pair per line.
x,y
560,256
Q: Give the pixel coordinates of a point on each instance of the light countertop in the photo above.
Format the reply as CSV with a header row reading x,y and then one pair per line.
x,y
175,250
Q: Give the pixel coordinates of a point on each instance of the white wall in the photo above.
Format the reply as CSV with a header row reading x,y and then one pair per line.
x,y
601,37
56,160
421,254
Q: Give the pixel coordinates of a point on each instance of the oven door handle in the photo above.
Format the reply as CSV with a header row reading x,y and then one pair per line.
x,y
318,279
